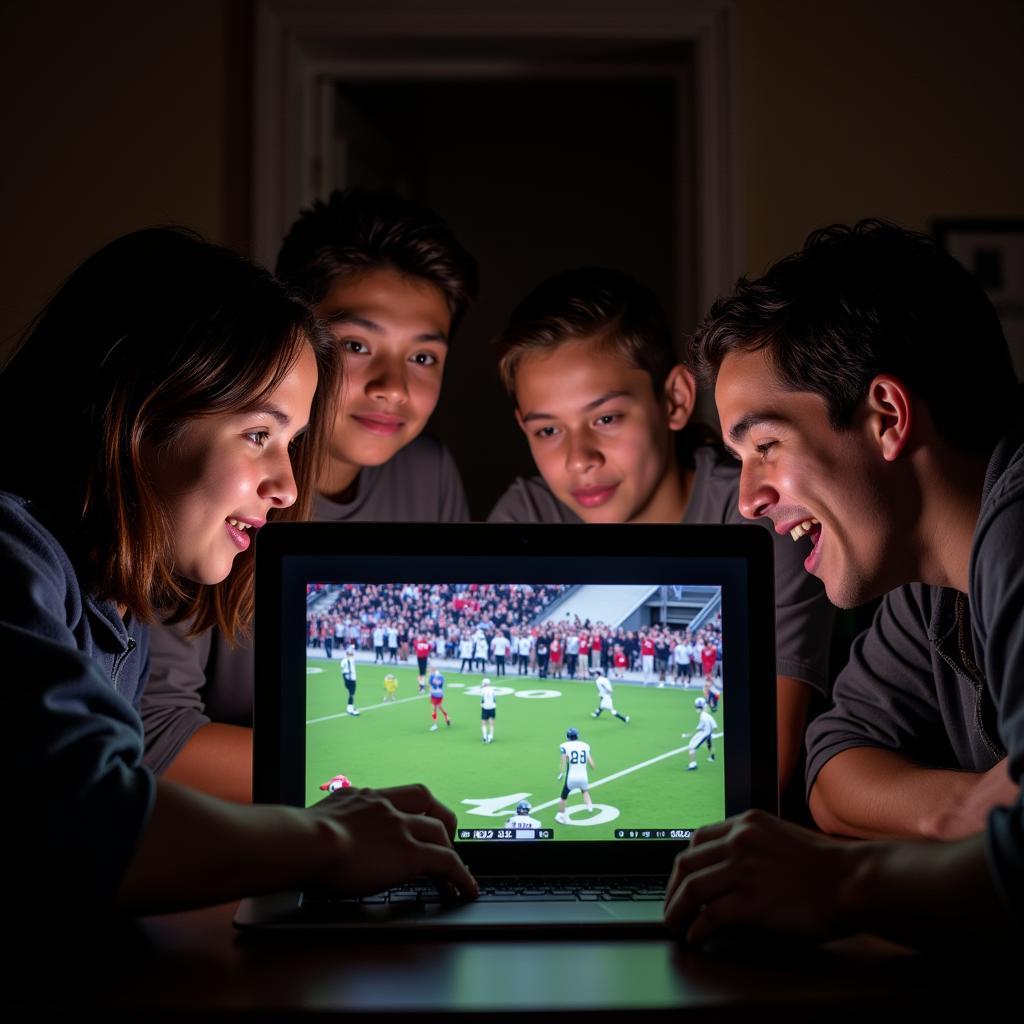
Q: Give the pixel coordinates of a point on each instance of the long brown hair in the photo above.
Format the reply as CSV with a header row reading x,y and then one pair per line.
x,y
156,329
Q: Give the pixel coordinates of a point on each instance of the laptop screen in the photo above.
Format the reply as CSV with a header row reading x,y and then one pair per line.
x,y
551,685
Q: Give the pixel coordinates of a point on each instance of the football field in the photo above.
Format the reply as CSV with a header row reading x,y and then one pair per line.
x,y
639,780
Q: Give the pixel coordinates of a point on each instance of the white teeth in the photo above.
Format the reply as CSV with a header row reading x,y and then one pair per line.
x,y
803,528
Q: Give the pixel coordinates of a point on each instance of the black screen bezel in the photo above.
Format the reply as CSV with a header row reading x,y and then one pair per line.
x,y
738,558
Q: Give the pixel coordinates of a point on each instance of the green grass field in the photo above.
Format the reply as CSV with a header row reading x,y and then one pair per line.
x,y
643,762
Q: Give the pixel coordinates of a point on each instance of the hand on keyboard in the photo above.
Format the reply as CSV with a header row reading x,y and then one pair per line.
x,y
369,840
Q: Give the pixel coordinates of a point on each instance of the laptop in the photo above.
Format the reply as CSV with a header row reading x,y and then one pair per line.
x,y
607,749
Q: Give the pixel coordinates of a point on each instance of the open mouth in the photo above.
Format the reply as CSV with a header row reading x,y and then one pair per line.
x,y
809,528
804,528
239,533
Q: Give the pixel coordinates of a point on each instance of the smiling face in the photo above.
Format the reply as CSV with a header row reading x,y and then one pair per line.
x,y
600,437
810,479
393,331
219,480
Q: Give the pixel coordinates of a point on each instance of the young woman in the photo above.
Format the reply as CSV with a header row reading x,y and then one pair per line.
x,y
166,404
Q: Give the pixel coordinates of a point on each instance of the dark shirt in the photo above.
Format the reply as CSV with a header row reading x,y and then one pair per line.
x,y
997,605
908,687
77,796
939,676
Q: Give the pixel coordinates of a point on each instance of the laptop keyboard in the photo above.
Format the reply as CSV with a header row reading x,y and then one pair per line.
x,y
514,890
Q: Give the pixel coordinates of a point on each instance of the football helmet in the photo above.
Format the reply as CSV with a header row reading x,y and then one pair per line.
x,y
338,782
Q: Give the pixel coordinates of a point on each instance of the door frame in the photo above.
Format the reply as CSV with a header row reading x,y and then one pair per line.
x,y
301,46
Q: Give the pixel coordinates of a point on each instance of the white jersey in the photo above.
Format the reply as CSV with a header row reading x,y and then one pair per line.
x,y
481,648
681,655
348,667
604,686
525,644
392,638
339,631
378,637
576,753
466,648
522,821
487,699
572,645
500,646
706,725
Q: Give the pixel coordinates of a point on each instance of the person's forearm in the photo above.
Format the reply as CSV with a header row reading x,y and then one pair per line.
x,y
217,759
792,699
923,894
870,793
197,850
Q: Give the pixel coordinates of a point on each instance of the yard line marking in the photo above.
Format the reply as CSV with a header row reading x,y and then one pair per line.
x,y
369,707
625,771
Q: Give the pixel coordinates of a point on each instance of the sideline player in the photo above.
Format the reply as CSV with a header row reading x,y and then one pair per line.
x,y
522,818
423,646
348,674
604,699
466,653
575,759
500,646
391,687
705,727
488,710
436,684
480,649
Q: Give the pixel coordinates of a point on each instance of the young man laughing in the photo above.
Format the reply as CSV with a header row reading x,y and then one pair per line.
x,y
866,388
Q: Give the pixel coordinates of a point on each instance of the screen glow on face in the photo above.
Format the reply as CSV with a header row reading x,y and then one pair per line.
x,y
534,711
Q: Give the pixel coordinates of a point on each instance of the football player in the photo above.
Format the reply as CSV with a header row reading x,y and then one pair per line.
x,y
575,760
604,699
522,818
488,710
423,647
348,675
705,726
436,684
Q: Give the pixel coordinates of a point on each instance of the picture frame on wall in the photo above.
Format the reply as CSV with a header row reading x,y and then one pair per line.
x,y
993,251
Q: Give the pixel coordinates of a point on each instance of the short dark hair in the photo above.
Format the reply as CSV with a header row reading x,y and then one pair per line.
x,y
156,329
360,229
605,306
857,302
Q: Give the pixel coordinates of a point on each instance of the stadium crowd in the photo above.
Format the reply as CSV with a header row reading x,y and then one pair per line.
x,y
496,625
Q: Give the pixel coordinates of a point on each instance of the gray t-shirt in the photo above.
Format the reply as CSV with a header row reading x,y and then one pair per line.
x,y
996,592
939,676
194,682
908,688
803,615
